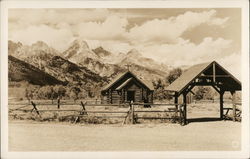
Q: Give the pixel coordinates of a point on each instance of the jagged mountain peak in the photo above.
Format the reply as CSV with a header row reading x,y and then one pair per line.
x,y
100,48
78,51
101,52
36,49
81,43
42,47
134,53
10,42
40,44
13,46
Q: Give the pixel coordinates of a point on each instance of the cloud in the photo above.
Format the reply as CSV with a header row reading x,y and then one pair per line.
x,y
160,39
169,30
52,17
57,38
104,24
113,28
185,52
182,53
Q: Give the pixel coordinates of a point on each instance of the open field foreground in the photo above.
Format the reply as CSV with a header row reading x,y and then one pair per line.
x,y
196,136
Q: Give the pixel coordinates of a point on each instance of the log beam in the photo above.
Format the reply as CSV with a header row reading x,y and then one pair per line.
x,y
176,101
221,103
214,72
185,108
217,90
233,93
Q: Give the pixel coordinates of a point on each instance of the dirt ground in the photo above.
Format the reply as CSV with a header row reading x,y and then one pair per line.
x,y
199,136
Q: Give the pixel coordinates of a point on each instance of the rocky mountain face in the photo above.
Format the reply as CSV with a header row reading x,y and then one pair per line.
x,y
48,61
69,72
37,54
108,64
79,63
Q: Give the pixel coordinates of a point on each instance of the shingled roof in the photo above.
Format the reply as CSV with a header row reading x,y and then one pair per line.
x,y
121,75
195,71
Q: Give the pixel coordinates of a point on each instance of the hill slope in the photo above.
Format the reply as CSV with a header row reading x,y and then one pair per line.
x,y
22,71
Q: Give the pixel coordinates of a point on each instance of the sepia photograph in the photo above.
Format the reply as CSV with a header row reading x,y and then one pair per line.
x,y
125,78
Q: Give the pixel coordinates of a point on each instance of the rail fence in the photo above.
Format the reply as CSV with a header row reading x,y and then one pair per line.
x,y
236,112
132,113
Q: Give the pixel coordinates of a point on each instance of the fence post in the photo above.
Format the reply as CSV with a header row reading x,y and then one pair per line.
x,y
58,103
132,112
34,108
83,108
127,118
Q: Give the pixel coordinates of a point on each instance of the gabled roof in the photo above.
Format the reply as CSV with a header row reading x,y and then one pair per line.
x,y
121,75
187,77
124,83
192,73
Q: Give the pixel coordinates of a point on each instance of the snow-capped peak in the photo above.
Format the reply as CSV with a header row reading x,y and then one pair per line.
x,y
78,51
80,43
134,53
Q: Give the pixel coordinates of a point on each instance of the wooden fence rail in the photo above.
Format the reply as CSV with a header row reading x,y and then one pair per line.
x,y
131,115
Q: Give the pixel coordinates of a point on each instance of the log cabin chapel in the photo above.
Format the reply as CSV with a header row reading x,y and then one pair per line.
x,y
126,87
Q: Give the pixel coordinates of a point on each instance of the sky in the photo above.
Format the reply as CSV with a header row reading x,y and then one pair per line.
x,y
173,36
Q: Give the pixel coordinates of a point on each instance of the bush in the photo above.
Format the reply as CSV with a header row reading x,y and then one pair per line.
x,y
204,93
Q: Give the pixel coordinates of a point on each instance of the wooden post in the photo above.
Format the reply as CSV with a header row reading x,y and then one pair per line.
x,y
151,101
142,100
180,114
34,108
132,112
58,103
234,105
214,72
221,104
176,100
185,107
77,119
120,93
176,105
107,95
110,96
83,108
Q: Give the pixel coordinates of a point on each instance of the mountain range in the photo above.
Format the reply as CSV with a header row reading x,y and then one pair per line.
x,y
78,63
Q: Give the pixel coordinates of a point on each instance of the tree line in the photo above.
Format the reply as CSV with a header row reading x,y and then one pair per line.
x,y
74,91
79,91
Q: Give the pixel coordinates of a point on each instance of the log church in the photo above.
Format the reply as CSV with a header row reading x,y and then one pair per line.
x,y
126,87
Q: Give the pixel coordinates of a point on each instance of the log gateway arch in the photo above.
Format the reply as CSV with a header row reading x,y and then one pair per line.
x,y
205,74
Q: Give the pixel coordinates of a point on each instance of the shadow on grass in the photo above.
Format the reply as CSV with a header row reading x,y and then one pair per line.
x,y
207,119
